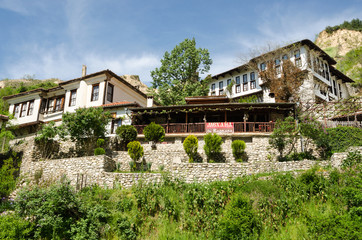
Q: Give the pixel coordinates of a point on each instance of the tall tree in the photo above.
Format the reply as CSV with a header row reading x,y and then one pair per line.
x,y
178,76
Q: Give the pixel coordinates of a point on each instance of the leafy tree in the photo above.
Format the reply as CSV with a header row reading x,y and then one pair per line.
x,y
127,133
85,126
154,132
45,139
177,77
135,150
284,135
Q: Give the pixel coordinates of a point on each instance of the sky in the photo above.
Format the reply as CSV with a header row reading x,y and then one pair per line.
x,y
53,39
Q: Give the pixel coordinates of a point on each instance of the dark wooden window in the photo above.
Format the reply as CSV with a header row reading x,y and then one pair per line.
x,y
95,92
110,90
58,104
298,60
237,87
73,97
16,110
263,66
245,86
252,84
237,80
23,109
245,78
31,108
228,82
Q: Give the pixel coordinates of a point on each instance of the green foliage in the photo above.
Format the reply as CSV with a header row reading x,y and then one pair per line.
x,y
14,227
354,24
353,159
154,132
351,65
284,134
190,146
99,151
212,146
127,133
135,150
177,77
341,138
100,142
239,220
248,99
45,139
238,148
8,173
85,126
126,230
5,136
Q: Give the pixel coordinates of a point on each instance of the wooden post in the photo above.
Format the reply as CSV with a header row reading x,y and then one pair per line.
x,y
187,124
226,119
168,122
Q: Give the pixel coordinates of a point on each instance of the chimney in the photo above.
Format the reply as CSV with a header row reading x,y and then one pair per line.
x,y
84,70
149,101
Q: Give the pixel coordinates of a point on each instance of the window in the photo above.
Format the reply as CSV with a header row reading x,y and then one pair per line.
x,y
95,92
334,88
237,88
221,86
340,90
58,104
245,86
245,78
23,109
285,57
30,108
213,87
110,92
277,66
238,80
252,85
252,76
16,110
228,82
73,97
115,124
50,105
263,66
298,60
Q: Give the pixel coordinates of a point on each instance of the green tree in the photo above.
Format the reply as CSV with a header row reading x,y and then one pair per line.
x,y
127,133
212,146
154,133
178,76
284,135
85,126
45,139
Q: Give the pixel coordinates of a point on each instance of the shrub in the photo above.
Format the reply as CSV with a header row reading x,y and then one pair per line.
x,y
135,150
154,132
190,146
14,227
352,160
341,138
238,147
238,220
212,146
100,142
127,134
284,134
8,173
99,151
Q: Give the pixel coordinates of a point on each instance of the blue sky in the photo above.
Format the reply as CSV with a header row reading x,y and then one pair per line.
x,y
46,38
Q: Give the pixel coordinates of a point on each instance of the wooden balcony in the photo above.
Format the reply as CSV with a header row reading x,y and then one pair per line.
x,y
239,127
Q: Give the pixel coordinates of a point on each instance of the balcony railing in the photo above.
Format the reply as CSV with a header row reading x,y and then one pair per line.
x,y
239,127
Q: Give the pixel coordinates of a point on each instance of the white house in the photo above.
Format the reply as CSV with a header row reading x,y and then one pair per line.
x,y
323,82
100,89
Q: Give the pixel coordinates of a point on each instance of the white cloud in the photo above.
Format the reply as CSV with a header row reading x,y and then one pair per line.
x,y
60,62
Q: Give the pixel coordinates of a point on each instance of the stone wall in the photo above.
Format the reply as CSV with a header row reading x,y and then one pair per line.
x,y
84,171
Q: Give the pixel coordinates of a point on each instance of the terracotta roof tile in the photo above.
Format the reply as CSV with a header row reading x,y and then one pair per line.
x,y
117,104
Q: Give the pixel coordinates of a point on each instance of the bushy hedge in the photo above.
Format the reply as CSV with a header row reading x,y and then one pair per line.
x,y
341,138
238,148
191,145
212,147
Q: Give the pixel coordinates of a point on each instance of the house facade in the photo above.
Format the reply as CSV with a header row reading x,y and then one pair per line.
x,y
100,89
322,82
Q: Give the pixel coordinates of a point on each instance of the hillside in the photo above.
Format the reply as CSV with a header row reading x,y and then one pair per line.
x,y
345,46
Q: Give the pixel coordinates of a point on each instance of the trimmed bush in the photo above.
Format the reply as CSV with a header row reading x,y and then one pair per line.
x,y
127,134
99,151
135,150
100,142
154,132
238,147
191,145
212,146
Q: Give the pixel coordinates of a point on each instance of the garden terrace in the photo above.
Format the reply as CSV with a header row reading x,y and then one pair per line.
x,y
196,118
